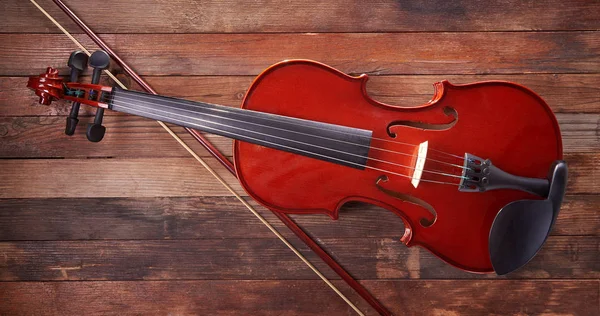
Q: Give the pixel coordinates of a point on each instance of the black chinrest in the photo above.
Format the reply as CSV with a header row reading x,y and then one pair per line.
x,y
521,227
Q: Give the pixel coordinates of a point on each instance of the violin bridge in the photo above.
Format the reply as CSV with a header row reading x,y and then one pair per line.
x,y
419,164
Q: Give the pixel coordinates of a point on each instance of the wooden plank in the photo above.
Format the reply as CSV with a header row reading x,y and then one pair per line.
x,y
365,258
373,53
579,132
126,136
154,177
111,178
130,136
219,217
576,217
565,93
309,16
403,297
583,175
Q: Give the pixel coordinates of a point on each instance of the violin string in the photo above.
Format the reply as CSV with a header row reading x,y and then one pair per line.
x,y
135,108
134,105
225,109
409,144
296,132
136,101
305,151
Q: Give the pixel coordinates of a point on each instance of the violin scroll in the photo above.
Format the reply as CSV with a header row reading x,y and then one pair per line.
x,y
48,86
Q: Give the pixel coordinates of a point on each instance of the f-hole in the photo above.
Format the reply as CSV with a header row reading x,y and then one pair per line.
x,y
410,199
426,126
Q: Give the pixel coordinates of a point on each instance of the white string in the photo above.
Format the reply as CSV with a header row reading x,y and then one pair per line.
x,y
275,145
267,116
136,104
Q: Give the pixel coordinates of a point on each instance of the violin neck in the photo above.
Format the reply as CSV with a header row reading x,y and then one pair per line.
x,y
334,143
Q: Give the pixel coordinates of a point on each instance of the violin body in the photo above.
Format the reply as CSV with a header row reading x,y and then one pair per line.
x,y
502,121
467,172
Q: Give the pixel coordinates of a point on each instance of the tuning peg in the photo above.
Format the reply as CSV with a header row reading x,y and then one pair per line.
x,y
95,131
99,61
77,62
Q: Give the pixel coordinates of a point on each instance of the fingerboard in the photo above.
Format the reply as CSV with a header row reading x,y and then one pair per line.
x,y
329,142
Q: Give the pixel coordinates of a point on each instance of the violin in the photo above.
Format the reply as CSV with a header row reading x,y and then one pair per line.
x,y
475,174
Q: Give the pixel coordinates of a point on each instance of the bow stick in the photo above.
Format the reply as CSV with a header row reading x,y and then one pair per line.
x,y
229,166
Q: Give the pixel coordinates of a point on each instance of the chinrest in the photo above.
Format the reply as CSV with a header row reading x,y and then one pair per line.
x,y
521,227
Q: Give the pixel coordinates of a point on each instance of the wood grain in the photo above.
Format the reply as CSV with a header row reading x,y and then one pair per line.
x,y
260,259
130,136
216,16
111,178
411,297
372,53
219,217
126,136
156,177
133,226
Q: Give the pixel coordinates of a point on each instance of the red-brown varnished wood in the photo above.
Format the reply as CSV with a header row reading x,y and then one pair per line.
x,y
501,121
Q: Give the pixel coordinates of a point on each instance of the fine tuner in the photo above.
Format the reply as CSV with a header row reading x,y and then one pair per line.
x,y
475,174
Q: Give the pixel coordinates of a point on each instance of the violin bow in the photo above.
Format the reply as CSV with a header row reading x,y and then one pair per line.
x,y
289,222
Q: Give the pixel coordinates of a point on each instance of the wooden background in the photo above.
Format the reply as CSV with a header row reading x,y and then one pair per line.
x,y
133,225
